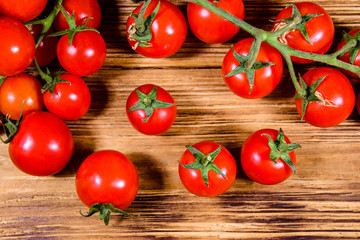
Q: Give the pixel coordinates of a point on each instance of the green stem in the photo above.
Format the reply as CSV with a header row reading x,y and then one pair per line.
x,y
43,75
350,44
250,63
140,27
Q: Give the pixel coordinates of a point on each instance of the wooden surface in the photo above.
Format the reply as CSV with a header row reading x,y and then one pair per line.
x,y
322,201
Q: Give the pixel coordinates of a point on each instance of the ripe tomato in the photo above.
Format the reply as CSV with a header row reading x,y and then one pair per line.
x,y
320,30
23,10
261,166
211,28
336,98
82,10
70,100
85,56
17,47
355,58
151,109
265,79
43,144
18,89
169,30
211,160
107,177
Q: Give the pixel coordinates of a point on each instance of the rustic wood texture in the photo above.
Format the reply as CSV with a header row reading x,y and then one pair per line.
x,y
322,201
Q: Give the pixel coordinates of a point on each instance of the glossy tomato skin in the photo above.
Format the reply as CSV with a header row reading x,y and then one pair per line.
x,y
162,118
266,79
256,163
22,10
85,56
18,89
346,56
320,29
192,179
107,176
82,10
70,100
17,47
169,30
211,28
339,97
43,144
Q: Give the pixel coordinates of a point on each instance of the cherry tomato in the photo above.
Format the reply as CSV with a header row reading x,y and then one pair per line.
x,y
216,183
211,28
346,56
70,100
265,79
163,111
18,89
85,56
23,10
107,176
17,47
336,98
320,30
82,10
256,162
169,30
43,144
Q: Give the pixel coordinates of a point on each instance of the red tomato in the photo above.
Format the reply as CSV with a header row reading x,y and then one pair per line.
x,y
358,103
71,100
17,47
43,144
18,89
211,28
164,109
85,56
255,160
82,10
265,80
169,30
23,10
320,30
193,180
346,56
107,176
336,94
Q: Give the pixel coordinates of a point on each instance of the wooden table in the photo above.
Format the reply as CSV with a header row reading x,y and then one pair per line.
x,y
322,201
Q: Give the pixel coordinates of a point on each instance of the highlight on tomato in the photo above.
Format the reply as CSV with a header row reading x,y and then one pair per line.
x,y
107,181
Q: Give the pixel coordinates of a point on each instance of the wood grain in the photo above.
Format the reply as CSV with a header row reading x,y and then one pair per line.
x,y
322,201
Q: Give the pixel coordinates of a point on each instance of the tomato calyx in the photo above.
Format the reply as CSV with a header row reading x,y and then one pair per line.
x,y
140,31
204,163
11,127
354,50
105,210
148,103
2,79
281,149
248,63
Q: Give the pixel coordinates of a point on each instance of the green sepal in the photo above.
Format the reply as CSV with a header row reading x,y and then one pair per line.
x,y
242,67
11,127
104,211
204,163
281,149
52,81
2,79
148,103
355,50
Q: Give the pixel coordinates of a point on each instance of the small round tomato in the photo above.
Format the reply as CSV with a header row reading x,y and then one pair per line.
x,y
168,30
320,29
43,144
265,79
82,10
107,177
23,10
335,94
19,89
17,47
151,109
207,169
85,56
268,163
70,100
211,28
